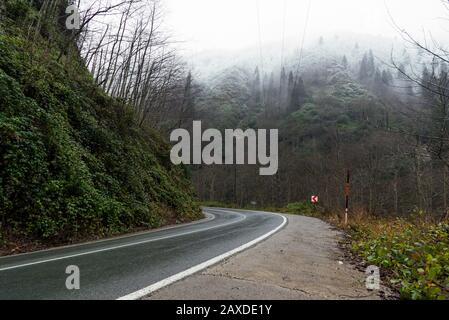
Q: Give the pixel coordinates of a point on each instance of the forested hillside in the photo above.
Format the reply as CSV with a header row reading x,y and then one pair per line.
x,y
74,162
346,106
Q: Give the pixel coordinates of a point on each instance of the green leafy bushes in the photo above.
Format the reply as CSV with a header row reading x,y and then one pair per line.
x,y
415,254
17,8
73,162
303,208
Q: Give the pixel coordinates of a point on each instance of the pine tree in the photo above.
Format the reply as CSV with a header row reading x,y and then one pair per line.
x,y
272,94
291,84
426,82
283,76
265,86
188,103
344,62
283,94
387,78
298,95
371,66
363,72
256,94
378,77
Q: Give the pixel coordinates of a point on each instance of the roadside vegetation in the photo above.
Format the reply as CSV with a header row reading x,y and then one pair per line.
x,y
412,251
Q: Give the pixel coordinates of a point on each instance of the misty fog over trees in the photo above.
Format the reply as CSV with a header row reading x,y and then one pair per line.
x,y
346,110
345,103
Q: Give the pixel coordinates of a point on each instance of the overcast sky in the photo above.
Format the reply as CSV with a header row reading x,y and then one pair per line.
x,y
233,24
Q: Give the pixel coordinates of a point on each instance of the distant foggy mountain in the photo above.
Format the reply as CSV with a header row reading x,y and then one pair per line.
x,y
207,65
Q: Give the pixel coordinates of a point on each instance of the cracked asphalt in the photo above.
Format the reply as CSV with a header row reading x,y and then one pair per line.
x,y
303,261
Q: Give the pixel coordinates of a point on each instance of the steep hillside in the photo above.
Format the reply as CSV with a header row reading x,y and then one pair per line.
x,y
73,161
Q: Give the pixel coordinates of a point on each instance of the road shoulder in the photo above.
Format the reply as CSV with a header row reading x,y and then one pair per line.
x,y
303,261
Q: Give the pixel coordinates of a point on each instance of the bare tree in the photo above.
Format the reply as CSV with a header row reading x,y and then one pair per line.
x,y
434,83
131,58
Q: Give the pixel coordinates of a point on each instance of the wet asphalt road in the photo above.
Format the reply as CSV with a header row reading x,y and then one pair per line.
x,y
117,267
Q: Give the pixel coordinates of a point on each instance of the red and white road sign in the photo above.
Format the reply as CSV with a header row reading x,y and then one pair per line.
x,y
314,199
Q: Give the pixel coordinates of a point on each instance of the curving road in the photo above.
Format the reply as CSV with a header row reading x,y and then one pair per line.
x,y
132,266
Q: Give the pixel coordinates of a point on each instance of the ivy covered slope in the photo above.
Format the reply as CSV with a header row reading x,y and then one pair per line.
x,y
73,162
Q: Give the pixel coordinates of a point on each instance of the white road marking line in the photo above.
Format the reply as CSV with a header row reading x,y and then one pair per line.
x,y
243,217
120,237
179,276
